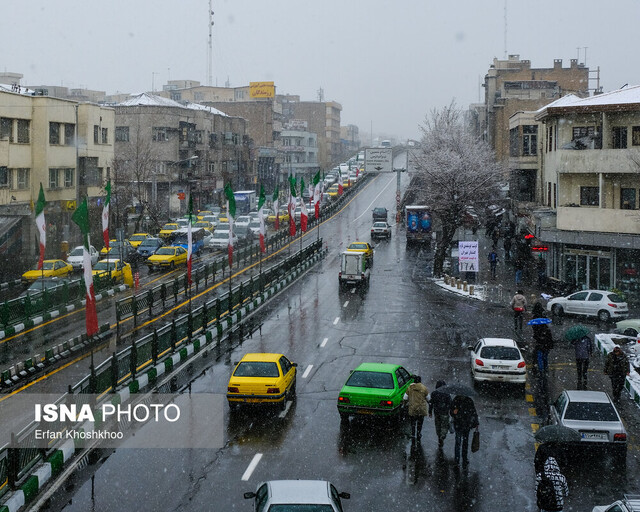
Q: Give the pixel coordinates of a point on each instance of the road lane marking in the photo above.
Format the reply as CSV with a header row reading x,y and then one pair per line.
x,y
307,371
353,290
335,322
324,342
535,427
366,210
345,304
529,398
252,466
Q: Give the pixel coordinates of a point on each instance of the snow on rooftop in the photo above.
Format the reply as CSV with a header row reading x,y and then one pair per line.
x,y
146,99
19,90
625,96
197,106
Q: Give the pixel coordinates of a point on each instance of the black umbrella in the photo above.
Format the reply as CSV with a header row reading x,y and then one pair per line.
x,y
557,434
457,390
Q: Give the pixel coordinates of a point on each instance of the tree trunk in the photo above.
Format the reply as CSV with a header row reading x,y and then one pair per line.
x,y
444,244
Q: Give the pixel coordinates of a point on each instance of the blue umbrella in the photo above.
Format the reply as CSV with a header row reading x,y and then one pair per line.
x,y
539,321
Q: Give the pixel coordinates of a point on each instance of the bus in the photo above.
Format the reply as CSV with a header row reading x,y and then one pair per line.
x,y
180,238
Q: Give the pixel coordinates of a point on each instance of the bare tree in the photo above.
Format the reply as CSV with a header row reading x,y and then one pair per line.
x,y
454,171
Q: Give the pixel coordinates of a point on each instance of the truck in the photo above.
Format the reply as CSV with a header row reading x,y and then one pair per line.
x,y
418,224
355,268
246,201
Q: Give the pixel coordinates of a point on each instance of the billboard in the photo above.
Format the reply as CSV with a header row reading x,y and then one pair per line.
x,y
468,256
262,89
378,160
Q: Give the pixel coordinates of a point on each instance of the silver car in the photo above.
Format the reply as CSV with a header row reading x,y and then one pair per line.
x,y
76,257
602,304
593,415
297,496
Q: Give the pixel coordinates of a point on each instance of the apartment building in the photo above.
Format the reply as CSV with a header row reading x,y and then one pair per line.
x,y
65,145
590,189
300,150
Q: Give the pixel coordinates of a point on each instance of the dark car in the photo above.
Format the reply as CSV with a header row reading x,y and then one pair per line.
x,y
149,247
121,250
380,213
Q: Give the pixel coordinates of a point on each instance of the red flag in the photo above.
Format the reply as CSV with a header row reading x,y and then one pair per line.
x,y
340,187
261,202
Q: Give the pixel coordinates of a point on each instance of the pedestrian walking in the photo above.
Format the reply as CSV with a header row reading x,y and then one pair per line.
x,y
542,345
417,397
617,368
519,266
493,262
464,416
551,487
584,349
519,305
439,404
507,248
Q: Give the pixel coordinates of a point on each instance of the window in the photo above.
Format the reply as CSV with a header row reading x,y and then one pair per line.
x,y
628,198
589,196
96,131
4,177
635,136
53,178
529,140
22,178
54,133
68,178
23,131
105,138
550,139
619,137
6,129
122,134
69,134
582,131
595,297
160,134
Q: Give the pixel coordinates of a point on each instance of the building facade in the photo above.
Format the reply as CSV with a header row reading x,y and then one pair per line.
x,y
299,148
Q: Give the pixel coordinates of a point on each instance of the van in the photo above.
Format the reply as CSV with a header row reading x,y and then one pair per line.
x,y
354,269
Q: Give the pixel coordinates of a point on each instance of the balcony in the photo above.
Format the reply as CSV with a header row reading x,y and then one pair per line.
x,y
589,161
604,220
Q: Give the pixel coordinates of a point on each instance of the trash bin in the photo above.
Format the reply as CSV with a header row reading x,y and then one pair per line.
x,y
64,250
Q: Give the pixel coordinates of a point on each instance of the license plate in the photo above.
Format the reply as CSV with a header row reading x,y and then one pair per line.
x,y
365,412
499,367
594,435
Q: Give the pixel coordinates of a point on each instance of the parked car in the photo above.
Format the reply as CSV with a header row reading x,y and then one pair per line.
x,y
497,360
243,232
50,268
262,378
149,247
380,230
602,304
594,416
374,389
629,327
630,503
380,213
76,257
297,495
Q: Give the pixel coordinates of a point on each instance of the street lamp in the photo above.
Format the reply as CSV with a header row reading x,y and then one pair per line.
x,y
171,164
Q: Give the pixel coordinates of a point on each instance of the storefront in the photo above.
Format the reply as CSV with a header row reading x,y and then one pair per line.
x,y
588,269
628,273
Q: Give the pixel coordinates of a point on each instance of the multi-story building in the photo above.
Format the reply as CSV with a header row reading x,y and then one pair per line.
x,y
300,150
350,139
64,145
589,189
166,149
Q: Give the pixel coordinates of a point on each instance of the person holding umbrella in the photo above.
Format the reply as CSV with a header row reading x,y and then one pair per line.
x,y
617,368
464,415
439,404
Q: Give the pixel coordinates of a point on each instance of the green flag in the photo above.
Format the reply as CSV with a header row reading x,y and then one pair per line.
x,y
262,197
316,179
228,192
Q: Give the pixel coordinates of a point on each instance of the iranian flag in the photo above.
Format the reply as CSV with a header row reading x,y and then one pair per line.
x,y
81,218
263,231
189,240
231,213
105,215
304,216
291,206
276,207
41,225
316,194
340,188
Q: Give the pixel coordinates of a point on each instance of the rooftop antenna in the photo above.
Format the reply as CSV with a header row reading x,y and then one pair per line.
x,y
321,95
209,49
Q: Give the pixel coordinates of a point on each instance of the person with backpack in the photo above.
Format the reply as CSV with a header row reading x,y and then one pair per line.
x,y
616,366
551,487
493,262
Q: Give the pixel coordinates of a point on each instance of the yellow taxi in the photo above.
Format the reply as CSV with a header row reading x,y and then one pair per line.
x,y
284,216
104,250
364,247
167,257
167,229
202,213
333,190
262,378
137,238
203,224
50,268
116,270
222,217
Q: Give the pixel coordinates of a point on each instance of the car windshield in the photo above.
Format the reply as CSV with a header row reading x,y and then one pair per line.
x,y
379,225
257,369
46,265
105,265
165,251
76,252
504,353
138,238
221,234
358,246
149,242
300,508
590,411
170,227
365,379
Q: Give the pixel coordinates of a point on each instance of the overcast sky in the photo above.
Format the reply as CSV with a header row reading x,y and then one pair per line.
x,y
388,63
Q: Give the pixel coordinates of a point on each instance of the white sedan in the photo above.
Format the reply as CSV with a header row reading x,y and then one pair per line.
x,y
220,240
75,258
297,495
602,304
497,360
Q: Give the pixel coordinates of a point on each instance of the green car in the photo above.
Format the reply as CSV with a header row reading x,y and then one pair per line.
x,y
374,388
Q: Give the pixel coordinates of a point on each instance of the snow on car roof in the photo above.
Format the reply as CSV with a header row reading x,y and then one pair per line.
x,y
587,396
300,491
500,342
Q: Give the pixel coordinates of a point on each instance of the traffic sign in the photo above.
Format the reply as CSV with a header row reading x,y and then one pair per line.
x,y
378,160
181,196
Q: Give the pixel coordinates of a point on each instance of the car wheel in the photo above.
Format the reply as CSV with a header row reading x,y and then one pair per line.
x,y
604,316
283,405
557,310
630,332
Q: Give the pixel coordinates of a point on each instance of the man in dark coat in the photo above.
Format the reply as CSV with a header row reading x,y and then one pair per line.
x,y
584,349
542,344
464,415
617,368
439,404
